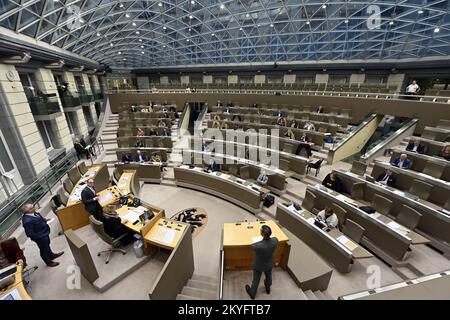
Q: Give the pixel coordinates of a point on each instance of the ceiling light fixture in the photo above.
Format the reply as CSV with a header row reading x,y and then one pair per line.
x,y
142,47
324,6
140,40
159,4
127,15
142,52
391,23
420,11
121,5
192,2
271,25
437,29
120,52
134,24
111,45
137,32
222,6
346,21
247,15
191,17
307,22
98,34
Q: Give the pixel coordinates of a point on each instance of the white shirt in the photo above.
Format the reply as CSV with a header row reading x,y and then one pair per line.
x,y
412,88
309,127
331,221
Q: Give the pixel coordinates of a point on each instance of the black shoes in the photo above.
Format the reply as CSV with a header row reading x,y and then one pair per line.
x,y
267,290
247,288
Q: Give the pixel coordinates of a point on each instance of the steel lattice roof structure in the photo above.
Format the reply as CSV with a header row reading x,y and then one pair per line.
x,y
153,33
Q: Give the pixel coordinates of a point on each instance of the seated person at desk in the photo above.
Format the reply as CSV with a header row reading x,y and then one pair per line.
x,y
140,132
333,182
282,122
204,146
213,166
156,157
309,126
289,134
262,179
152,132
145,110
230,104
133,108
127,157
219,103
445,152
140,157
416,146
304,138
294,124
216,117
401,162
139,143
320,109
278,114
114,226
386,178
162,124
216,125
165,115
237,117
166,133
227,110
328,217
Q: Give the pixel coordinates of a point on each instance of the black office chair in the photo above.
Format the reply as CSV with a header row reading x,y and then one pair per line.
x,y
316,166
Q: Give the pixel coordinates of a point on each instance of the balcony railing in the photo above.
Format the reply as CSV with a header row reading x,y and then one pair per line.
x,y
86,98
98,96
69,101
43,106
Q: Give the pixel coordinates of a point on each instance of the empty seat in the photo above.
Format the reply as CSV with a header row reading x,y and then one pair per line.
x,y
428,134
68,185
309,201
357,191
287,147
244,172
434,169
408,217
353,230
341,214
74,175
381,204
63,198
358,168
82,168
284,164
233,170
421,189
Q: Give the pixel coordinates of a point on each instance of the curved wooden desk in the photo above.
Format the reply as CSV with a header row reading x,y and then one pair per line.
x,y
16,291
239,237
147,172
221,185
98,172
129,182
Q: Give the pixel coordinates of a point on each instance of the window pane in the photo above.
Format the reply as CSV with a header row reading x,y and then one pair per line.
x,y
43,133
4,158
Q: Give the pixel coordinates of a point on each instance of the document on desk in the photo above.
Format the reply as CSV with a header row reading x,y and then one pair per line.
x,y
106,197
131,216
393,225
165,235
74,197
349,244
341,197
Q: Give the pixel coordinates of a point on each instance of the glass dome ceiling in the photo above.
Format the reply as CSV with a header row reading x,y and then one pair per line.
x,y
141,34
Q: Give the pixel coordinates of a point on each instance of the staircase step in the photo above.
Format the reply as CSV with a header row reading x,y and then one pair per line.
x,y
202,285
302,295
183,297
201,277
310,295
199,293
327,295
319,295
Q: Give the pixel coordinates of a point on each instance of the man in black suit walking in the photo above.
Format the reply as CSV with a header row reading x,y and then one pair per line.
x,y
263,261
37,229
89,197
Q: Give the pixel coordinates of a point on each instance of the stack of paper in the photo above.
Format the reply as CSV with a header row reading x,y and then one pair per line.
x,y
132,216
347,242
256,239
393,225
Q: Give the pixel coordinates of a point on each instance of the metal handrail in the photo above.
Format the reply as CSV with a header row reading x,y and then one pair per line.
x,y
389,139
34,192
221,271
345,137
394,95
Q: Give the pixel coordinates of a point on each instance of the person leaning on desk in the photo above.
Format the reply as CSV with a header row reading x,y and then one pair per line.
x,y
263,261
328,217
127,157
386,178
333,182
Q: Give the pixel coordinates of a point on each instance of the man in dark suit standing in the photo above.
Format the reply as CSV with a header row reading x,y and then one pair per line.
x,y
89,197
37,229
386,178
263,261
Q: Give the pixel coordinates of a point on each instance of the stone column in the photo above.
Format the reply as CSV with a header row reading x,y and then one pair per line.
x,y
19,128
87,85
80,121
